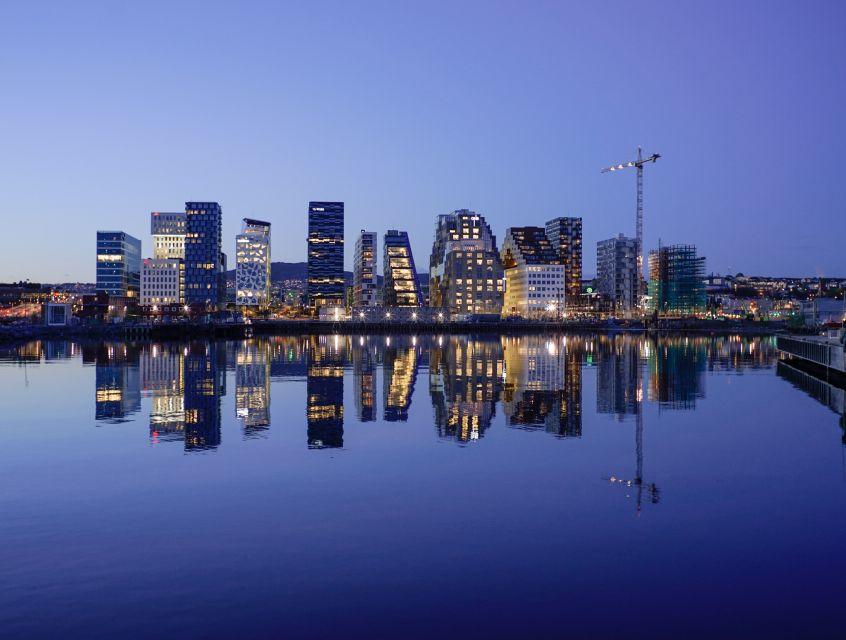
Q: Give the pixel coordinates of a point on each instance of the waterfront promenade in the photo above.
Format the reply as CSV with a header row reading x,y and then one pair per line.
x,y
157,331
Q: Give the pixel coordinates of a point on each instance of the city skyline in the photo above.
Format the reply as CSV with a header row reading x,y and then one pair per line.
x,y
745,124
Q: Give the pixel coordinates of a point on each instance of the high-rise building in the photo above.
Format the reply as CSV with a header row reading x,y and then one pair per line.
x,y
252,264
325,254
168,231
400,287
118,264
465,271
163,275
535,283
616,272
204,260
565,236
364,270
676,280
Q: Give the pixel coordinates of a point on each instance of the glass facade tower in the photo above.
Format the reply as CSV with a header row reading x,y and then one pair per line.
x,y
204,261
325,254
118,264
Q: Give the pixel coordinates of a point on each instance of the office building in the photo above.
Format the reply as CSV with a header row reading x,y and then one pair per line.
x,y
465,271
565,236
118,264
400,288
161,282
616,272
205,266
168,231
163,275
676,281
364,270
252,264
535,284
325,254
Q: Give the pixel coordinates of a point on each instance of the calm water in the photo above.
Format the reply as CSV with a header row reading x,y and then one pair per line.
x,y
415,487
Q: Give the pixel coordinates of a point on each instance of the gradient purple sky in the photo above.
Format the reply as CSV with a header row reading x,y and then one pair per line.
x,y
111,110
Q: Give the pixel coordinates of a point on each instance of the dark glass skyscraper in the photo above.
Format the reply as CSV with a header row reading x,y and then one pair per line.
x,y
325,254
565,235
204,261
118,264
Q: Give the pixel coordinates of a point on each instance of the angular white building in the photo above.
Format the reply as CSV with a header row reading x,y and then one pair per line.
x,y
535,285
252,264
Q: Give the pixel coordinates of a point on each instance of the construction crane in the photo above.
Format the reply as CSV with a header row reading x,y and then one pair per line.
x,y
638,164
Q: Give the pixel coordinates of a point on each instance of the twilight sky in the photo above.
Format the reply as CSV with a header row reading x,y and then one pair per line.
x,y
110,110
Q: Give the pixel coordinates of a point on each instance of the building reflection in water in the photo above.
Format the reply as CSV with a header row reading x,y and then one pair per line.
x,y
399,375
205,385
252,385
677,371
465,382
325,391
543,384
619,374
538,379
163,377
117,380
364,358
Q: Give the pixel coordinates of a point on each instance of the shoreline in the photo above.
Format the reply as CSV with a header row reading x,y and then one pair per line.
x,y
178,331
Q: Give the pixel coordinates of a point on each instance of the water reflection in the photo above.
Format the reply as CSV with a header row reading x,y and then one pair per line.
x,y
536,381
325,391
465,382
252,386
117,378
543,385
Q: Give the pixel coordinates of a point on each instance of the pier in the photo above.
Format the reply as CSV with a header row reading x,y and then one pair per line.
x,y
824,353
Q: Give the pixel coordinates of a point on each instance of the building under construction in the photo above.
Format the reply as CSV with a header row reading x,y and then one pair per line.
x,y
676,281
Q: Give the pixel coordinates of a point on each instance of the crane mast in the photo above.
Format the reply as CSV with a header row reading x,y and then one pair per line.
x,y
638,164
